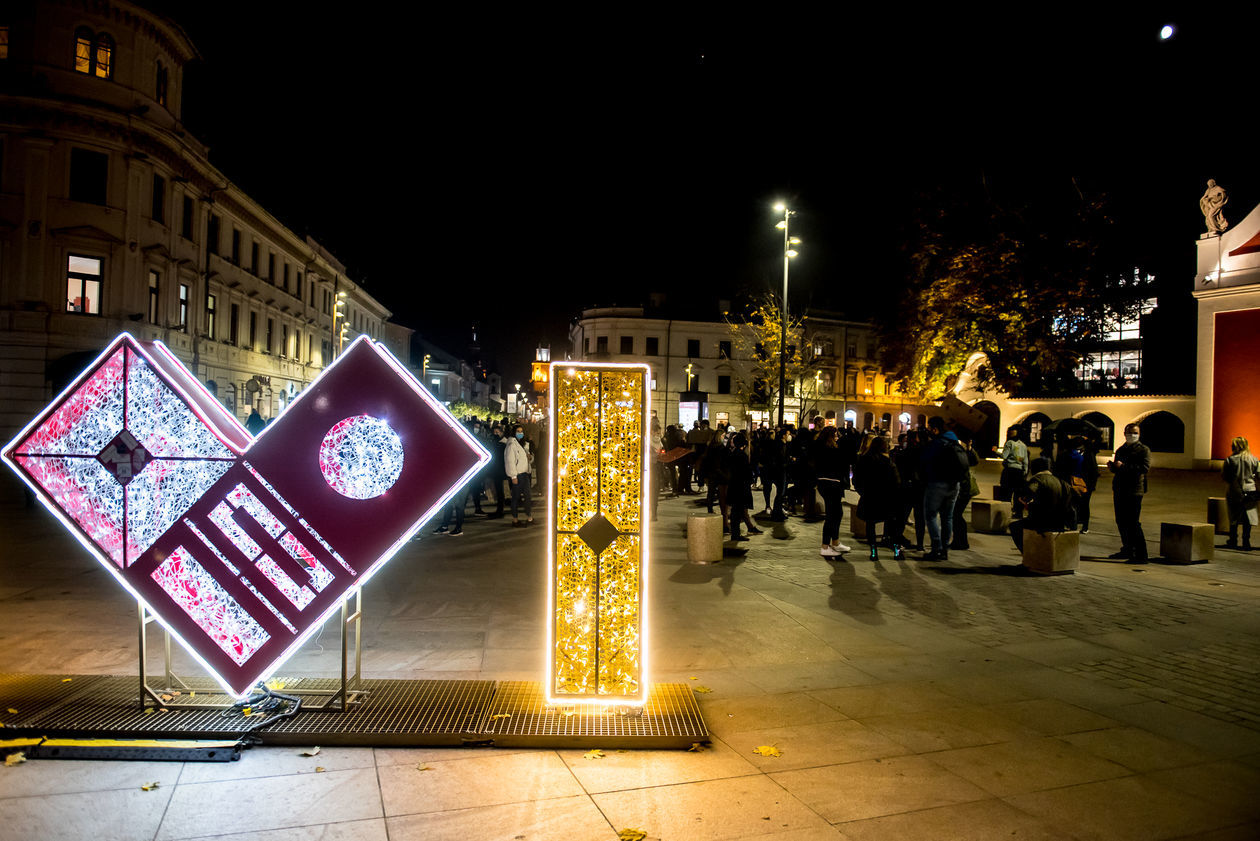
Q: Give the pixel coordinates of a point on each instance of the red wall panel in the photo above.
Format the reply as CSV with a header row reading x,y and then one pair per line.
x,y
1235,387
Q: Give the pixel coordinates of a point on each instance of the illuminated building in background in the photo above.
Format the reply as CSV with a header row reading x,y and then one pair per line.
x,y
597,534
697,368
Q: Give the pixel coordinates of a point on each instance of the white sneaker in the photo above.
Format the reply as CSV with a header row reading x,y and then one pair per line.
x,y
840,547
767,511
829,552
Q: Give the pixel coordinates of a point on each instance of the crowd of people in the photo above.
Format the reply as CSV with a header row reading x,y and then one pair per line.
x,y
509,476
927,473
912,493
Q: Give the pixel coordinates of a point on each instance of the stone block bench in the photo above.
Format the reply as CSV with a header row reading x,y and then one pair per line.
x,y
1052,553
990,516
1187,543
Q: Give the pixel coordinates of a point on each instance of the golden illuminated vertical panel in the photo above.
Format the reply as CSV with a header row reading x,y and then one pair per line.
x,y
597,535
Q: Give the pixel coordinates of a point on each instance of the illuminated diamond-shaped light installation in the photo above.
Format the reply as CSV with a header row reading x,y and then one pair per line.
x,y
596,642
243,547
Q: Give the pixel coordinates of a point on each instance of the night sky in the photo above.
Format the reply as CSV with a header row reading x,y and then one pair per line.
x,y
512,167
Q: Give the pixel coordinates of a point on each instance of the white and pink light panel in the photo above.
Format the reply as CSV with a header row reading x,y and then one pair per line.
x,y
243,546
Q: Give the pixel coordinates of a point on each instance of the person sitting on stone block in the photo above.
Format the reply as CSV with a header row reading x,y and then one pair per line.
x,y
1049,504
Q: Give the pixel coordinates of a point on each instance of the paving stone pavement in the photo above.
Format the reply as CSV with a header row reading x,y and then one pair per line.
x,y
908,700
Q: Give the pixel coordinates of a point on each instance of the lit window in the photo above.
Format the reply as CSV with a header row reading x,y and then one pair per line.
x,y
183,307
83,284
104,57
163,82
211,308
93,53
83,51
4,42
154,282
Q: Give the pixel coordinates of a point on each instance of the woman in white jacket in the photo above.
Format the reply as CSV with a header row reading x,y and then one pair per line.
x,y
516,466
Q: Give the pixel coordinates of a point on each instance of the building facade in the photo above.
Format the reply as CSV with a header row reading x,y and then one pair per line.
x,y
703,369
1227,286
113,219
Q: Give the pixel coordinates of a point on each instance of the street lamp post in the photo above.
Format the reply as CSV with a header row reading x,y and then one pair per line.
x,y
788,254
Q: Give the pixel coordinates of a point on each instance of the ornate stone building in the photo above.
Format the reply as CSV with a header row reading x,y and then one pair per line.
x,y
113,219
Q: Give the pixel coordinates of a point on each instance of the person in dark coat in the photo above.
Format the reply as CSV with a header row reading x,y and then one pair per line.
x,y
959,540
1130,465
911,493
1077,467
1048,501
833,481
878,483
739,485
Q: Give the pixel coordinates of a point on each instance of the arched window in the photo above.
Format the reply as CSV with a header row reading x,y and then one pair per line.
x,y
850,417
1163,432
93,53
868,420
886,421
1106,428
1032,426
83,40
104,57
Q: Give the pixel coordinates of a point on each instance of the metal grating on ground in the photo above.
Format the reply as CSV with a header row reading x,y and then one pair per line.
x,y
394,712
670,719
34,696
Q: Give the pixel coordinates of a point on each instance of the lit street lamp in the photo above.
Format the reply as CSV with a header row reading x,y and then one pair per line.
x,y
339,311
788,253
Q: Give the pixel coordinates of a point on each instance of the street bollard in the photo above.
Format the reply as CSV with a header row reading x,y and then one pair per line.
x,y
704,538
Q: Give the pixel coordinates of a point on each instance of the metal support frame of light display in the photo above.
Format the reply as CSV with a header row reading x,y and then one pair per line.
x,y
350,690
141,462
589,528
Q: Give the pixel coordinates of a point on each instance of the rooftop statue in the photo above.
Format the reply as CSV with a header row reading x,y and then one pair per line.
x,y
1212,204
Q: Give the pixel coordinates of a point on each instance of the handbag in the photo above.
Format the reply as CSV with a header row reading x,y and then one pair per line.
x,y
974,486
1078,485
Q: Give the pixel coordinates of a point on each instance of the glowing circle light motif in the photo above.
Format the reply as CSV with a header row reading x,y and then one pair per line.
x,y
361,457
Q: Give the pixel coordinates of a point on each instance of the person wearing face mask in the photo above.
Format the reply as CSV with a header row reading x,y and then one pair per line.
x,y
1130,466
516,467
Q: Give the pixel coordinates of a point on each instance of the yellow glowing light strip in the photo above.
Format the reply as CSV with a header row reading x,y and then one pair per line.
x,y
555,370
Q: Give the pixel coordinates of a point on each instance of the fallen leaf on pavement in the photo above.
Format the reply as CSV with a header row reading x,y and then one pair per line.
x,y
696,747
498,716
150,786
631,835
423,768
767,750
593,753
312,752
14,759
703,689
319,769
12,711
